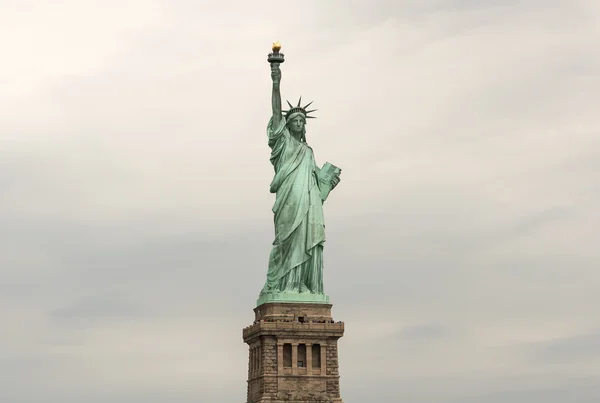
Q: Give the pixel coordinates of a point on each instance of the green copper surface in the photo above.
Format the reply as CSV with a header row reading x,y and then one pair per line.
x,y
293,297
295,272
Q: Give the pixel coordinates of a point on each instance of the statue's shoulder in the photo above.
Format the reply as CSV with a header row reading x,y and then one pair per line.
x,y
282,121
279,132
281,127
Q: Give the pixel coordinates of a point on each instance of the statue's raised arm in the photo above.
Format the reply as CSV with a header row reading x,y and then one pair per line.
x,y
276,59
276,95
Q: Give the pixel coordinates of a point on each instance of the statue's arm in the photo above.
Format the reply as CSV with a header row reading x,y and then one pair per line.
x,y
276,95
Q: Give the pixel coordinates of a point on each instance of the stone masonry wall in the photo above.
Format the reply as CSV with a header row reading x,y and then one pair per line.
x,y
333,385
332,358
269,367
269,356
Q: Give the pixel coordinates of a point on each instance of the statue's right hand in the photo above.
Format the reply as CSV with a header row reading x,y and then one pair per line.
x,y
276,74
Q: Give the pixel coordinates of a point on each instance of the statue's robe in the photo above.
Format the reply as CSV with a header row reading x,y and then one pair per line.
x,y
296,260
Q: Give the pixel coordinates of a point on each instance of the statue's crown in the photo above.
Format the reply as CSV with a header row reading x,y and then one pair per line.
x,y
298,110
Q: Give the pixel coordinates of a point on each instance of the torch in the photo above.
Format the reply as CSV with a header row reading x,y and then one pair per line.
x,y
275,58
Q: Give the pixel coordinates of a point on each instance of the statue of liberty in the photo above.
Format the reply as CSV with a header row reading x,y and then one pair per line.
x,y
295,271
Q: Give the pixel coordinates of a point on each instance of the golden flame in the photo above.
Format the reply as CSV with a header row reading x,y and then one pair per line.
x,y
276,46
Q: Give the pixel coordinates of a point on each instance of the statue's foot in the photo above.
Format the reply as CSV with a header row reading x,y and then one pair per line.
x,y
304,289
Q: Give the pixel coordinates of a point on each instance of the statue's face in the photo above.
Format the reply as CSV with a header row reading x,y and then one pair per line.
x,y
297,125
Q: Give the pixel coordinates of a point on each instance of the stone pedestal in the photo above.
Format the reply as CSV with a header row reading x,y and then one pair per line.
x,y
293,354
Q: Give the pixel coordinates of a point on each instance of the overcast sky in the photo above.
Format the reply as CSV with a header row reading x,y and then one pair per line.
x,y
135,217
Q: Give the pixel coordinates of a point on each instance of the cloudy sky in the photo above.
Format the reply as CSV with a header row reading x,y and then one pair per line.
x,y
462,247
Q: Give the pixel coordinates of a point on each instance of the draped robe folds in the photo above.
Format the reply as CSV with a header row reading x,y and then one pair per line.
x,y
296,260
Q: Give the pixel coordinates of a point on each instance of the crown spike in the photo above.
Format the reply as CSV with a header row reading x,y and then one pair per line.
x,y
299,101
307,105
312,110
289,104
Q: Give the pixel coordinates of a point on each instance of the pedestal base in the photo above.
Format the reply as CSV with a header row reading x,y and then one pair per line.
x,y
293,354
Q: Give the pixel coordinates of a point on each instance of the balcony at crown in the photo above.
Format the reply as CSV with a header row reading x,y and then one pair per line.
x,y
293,354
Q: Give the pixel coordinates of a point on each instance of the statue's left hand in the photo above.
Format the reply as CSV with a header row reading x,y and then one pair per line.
x,y
334,182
